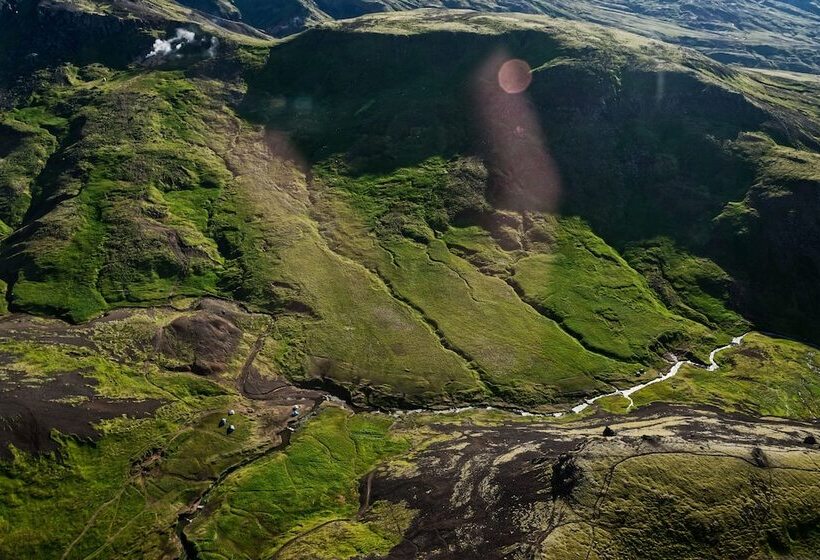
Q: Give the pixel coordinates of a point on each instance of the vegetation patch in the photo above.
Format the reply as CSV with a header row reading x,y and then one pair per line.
x,y
24,149
589,289
713,506
131,211
694,287
520,363
763,375
380,529
337,323
117,495
313,483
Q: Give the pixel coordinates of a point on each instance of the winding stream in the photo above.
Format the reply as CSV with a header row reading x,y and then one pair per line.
x,y
626,393
187,516
673,371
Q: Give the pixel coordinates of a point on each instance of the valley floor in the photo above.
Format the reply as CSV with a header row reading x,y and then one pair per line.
x,y
304,475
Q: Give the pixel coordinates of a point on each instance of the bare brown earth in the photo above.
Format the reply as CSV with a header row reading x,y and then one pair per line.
x,y
205,340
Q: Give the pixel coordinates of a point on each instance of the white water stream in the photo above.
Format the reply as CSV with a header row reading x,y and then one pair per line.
x,y
626,393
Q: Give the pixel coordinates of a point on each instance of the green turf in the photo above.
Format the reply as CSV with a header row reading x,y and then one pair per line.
x,y
531,360
120,239
693,505
24,150
337,319
595,294
693,287
764,375
315,480
96,499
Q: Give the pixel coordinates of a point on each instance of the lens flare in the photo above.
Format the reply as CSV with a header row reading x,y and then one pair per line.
x,y
522,174
514,76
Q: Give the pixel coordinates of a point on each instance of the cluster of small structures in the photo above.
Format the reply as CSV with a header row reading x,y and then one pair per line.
x,y
224,421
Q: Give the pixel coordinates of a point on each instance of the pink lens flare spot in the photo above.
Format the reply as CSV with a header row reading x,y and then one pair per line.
x,y
514,76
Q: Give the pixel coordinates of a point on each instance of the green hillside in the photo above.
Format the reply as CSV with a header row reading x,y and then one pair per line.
x,y
355,198
318,297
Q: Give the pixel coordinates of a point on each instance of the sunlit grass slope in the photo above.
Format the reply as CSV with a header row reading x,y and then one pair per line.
x,y
315,481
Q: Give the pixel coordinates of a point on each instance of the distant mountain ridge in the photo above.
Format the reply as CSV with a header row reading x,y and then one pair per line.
x,y
772,33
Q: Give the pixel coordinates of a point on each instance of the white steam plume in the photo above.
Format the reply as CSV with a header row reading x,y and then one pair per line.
x,y
164,47
213,48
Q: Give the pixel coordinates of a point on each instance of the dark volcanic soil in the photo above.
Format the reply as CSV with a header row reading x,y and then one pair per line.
x,y
65,403
205,341
494,492
485,479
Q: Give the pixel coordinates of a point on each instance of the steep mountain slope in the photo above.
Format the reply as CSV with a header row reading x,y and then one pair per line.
x,y
393,231
230,264
650,150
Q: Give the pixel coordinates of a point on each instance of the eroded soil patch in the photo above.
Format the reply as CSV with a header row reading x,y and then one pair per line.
x,y
66,403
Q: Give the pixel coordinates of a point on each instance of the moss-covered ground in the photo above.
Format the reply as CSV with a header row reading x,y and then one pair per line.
x,y
591,290
122,209
690,505
767,376
117,496
314,483
763,376
348,189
